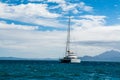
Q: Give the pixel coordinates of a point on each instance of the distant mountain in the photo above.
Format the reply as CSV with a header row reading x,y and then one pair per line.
x,y
15,58
11,58
109,56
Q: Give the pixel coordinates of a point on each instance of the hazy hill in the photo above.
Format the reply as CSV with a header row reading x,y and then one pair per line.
x,y
15,58
11,58
109,56
112,55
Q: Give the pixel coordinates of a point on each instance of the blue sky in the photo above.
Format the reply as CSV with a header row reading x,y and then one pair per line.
x,y
37,28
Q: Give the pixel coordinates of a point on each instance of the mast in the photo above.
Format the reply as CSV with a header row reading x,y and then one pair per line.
x,y
68,38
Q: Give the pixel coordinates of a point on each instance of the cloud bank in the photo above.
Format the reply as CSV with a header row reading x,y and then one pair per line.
x,y
89,33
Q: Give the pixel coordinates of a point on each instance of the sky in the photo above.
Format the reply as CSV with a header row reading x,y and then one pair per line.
x,y
37,28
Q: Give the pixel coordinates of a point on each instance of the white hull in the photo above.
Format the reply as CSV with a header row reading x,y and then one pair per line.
x,y
75,61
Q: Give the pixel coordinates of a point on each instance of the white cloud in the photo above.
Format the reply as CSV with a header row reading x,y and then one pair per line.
x,y
25,10
24,39
49,22
96,40
75,11
93,29
89,21
4,25
73,7
57,1
35,43
94,18
101,33
83,6
52,43
29,13
37,13
66,7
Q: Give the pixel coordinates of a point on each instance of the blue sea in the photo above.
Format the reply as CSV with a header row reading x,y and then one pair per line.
x,y
53,70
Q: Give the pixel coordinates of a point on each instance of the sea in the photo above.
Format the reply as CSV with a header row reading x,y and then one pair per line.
x,y
53,70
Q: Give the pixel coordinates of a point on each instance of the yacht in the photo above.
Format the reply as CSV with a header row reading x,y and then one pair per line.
x,y
69,57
